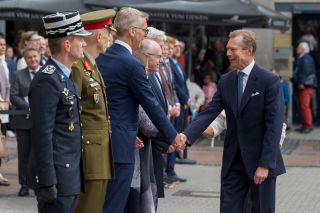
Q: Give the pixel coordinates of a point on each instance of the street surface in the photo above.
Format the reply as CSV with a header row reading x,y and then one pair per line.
x,y
298,191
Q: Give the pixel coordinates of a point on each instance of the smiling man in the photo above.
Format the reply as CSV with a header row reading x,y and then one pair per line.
x,y
253,102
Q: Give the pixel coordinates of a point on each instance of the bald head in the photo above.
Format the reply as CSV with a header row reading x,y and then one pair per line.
x,y
152,50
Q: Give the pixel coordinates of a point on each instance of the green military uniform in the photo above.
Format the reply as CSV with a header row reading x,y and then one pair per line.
x,y
96,130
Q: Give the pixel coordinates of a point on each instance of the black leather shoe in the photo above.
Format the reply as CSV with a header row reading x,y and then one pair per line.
x,y
180,179
298,129
305,130
24,191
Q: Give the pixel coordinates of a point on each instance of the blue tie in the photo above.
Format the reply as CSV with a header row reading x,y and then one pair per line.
x,y
240,87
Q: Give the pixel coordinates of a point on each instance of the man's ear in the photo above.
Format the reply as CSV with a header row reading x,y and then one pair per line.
x,y
131,31
98,36
67,45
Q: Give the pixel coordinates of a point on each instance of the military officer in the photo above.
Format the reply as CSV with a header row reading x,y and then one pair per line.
x,y
55,164
96,128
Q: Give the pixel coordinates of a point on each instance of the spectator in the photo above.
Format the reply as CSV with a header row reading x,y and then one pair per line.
x,y
209,89
305,82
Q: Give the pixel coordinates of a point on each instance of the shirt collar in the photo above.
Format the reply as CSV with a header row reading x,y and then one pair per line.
x,y
247,69
63,67
122,43
2,58
92,61
36,70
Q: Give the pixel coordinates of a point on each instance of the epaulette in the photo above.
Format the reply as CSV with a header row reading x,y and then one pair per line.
x,y
49,69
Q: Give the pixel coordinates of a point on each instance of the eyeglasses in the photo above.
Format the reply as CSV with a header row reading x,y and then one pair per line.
x,y
146,30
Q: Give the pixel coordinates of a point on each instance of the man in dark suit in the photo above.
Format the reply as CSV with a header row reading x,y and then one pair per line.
x,y
19,90
128,86
253,102
55,162
180,83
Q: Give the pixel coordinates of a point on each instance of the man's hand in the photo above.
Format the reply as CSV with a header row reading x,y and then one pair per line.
x,y
47,194
260,175
171,149
209,132
139,143
6,105
174,112
179,142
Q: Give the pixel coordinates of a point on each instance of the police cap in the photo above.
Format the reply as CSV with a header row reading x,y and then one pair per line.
x,y
62,24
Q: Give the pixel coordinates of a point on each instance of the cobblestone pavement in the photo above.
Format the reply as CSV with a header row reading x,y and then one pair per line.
x,y
297,190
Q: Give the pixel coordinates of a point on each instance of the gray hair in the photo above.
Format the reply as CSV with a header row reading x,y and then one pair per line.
x,y
155,33
249,39
126,17
30,48
147,45
305,46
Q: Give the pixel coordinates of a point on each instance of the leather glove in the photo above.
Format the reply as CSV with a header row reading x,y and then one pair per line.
x,y
48,194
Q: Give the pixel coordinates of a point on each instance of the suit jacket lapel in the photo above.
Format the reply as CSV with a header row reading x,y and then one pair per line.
x,y
26,75
233,92
250,87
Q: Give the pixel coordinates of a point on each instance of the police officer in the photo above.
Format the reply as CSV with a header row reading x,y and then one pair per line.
x,y
55,164
96,129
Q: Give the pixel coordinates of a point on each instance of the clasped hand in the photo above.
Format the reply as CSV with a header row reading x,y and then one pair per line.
x,y
179,142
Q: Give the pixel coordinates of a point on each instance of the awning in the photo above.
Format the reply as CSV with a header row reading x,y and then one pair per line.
x,y
35,9
241,13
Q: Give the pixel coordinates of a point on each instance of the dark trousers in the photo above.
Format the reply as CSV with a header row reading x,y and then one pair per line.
x,y
24,143
118,188
171,157
63,204
235,186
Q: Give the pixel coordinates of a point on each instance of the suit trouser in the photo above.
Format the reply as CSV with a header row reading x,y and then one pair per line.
x,y
118,188
235,186
24,143
92,200
305,96
63,204
171,157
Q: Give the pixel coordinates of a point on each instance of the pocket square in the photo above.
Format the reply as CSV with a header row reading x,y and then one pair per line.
x,y
254,94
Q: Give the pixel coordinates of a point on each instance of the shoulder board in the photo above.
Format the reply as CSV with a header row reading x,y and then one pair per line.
x,y
49,69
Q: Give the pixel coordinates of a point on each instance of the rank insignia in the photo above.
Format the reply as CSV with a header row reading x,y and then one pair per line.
x,y
96,98
62,77
65,91
71,127
49,69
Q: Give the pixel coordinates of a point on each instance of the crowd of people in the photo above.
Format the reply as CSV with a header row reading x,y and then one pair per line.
x,y
109,113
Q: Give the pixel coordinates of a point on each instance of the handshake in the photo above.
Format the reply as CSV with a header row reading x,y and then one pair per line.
x,y
178,144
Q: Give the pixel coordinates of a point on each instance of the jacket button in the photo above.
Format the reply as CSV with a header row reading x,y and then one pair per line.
x,y
67,165
88,142
82,137
81,124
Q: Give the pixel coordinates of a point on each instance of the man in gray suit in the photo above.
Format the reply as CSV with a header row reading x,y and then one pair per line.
x,y
20,83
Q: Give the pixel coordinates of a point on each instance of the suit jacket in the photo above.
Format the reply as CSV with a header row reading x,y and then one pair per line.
x,y
305,71
20,83
180,83
127,86
96,127
56,134
167,83
256,128
12,67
